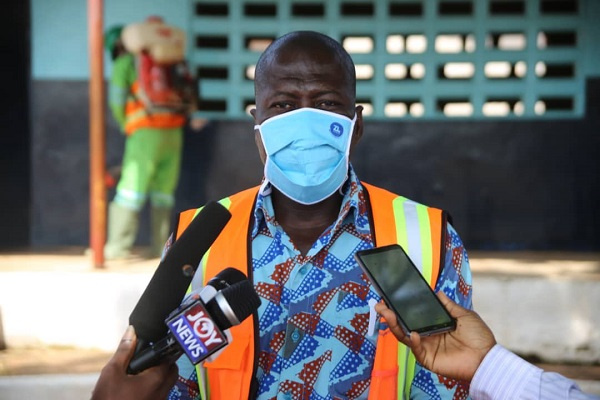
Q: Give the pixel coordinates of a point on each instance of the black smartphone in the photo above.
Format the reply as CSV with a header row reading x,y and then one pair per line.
x,y
404,290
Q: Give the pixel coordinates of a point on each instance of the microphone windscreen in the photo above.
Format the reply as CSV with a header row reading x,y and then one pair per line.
x,y
242,300
169,284
226,277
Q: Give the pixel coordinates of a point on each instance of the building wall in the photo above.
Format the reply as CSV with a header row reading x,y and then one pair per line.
x,y
59,33
509,184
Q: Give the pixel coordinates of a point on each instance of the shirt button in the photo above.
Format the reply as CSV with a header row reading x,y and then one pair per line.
x,y
287,395
295,336
304,270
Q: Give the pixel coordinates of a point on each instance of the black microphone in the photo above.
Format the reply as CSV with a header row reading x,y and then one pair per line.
x,y
196,328
168,285
166,348
223,279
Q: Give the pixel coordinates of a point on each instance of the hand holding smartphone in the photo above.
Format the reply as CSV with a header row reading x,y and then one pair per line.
x,y
400,283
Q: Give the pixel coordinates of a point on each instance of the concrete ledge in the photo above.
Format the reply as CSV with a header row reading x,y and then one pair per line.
x,y
556,321
89,310
541,304
545,305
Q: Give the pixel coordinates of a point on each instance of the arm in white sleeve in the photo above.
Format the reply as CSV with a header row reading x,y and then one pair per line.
x,y
504,375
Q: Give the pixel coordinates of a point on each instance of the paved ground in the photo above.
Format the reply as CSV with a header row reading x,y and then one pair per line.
x,y
51,360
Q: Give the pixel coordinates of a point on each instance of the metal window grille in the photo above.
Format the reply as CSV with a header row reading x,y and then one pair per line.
x,y
416,59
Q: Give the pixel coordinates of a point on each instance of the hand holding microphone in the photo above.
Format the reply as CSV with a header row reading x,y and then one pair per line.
x,y
115,384
158,343
197,327
169,284
227,299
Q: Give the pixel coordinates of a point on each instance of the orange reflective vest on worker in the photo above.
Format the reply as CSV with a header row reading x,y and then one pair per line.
x,y
394,219
138,116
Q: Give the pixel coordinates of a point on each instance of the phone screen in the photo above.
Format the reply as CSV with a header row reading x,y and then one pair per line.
x,y
405,291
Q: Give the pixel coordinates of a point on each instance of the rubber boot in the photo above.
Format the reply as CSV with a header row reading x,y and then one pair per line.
x,y
123,226
161,228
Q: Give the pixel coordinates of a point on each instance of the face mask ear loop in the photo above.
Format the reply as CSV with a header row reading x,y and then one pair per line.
x,y
347,155
352,125
264,187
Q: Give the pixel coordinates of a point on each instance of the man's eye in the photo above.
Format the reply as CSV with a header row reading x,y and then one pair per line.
x,y
326,104
282,105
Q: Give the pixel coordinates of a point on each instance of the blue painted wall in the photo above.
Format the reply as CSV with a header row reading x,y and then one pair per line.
x,y
59,34
518,184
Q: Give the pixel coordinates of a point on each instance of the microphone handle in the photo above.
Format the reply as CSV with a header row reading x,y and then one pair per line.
x,y
165,350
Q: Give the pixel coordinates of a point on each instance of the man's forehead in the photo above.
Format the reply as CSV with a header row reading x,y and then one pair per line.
x,y
303,65
303,54
304,69
311,84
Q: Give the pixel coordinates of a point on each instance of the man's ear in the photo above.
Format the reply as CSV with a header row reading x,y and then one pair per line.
x,y
258,140
358,127
259,145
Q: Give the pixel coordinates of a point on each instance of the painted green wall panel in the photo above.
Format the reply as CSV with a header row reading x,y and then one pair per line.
x,y
59,44
59,48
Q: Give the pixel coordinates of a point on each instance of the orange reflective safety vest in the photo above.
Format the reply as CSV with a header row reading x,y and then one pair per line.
x,y
419,229
137,115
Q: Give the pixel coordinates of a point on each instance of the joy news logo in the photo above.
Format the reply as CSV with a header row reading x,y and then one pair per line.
x,y
196,332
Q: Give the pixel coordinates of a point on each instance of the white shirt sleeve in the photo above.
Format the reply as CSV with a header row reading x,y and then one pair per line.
x,y
504,375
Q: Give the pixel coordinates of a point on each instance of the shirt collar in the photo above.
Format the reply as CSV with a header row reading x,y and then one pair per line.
x,y
353,206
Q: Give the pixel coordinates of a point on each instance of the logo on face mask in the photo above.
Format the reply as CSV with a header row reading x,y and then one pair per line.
x,y
336,129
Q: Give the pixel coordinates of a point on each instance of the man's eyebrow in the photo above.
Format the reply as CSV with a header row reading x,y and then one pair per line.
x,y
284,93
295,95
327,92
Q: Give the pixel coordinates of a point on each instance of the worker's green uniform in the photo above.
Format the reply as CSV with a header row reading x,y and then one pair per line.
x,y
151,163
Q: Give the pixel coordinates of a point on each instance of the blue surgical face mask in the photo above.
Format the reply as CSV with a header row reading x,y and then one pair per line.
x,y
307,153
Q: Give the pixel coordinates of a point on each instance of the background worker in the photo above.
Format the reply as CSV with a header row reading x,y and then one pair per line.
x,y
148,61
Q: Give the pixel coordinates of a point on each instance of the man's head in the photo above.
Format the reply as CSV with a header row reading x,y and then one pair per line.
x,y
305,69
302,43
308,121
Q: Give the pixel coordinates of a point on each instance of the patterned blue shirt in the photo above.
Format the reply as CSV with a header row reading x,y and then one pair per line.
x,y
314,312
